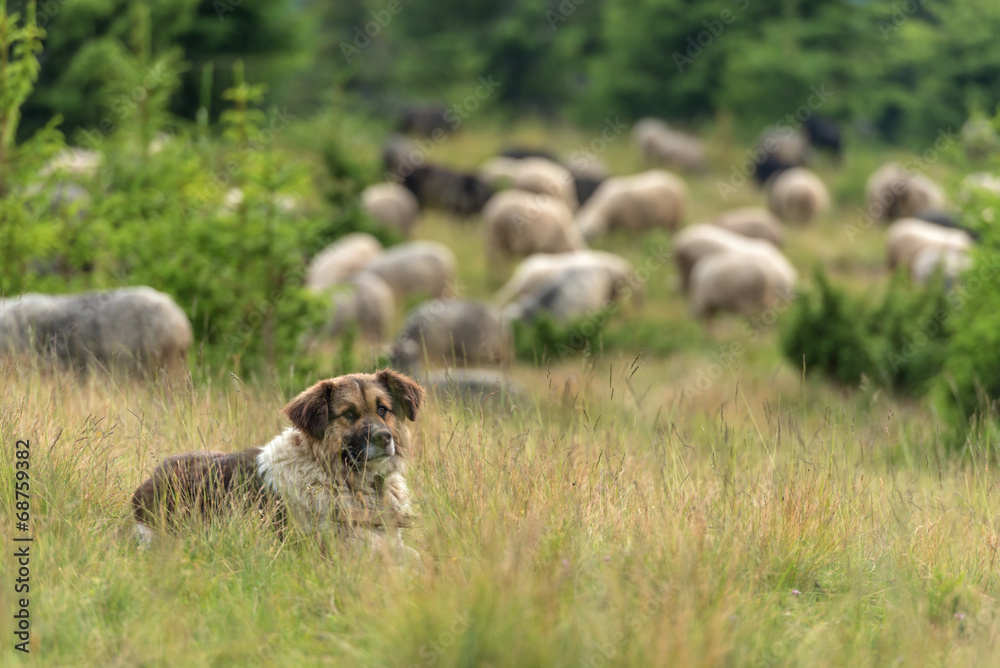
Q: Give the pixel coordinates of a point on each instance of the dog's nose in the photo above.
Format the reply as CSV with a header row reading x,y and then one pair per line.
x,y
382,440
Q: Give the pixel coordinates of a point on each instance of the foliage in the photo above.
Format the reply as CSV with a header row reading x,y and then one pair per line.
x,y
825,335
32,222
548,338
88,41
899,343
970,385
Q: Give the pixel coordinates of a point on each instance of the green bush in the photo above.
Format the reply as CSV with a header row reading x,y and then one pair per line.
x,y
826,335
898,343
969,388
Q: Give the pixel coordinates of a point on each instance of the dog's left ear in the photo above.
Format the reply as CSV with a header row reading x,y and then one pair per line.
x,y
310,411
406,394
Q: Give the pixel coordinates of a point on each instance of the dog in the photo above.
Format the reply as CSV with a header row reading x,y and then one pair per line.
x,y
338,469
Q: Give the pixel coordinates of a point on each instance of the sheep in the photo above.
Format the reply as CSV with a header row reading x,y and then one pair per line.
x,y
416,267
364,301
338,261
892,193
392,206
952,262
798,196
907,237
635,203
735,281
136,329
452,333
400,156
538,269
779,149
567,288
823,133
519,223
538,175
754,222
662,145
440,187
696,242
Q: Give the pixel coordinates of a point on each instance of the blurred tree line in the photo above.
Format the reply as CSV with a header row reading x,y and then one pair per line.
x,y
898,68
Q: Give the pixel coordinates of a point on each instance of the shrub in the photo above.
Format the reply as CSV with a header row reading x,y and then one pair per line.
x,y
825,334
970,385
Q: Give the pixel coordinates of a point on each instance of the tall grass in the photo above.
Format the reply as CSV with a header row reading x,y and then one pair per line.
x,y
731,528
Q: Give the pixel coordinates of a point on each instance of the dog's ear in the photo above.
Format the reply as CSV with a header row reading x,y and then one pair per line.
x,y
310,411
406,394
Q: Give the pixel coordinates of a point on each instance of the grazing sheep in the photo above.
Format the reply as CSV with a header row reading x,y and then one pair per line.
x,y
798,196
635,203
907,237
572,293
779,149
400,156
452,333
416,267
391,205
662,145
129,329
696,242
338,261
589,172
538,175
519,223
892,193
824,133
754,222
736,282
535,271
950,261
440,187
364,301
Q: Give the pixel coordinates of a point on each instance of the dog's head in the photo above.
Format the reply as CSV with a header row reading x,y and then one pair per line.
x,y
358,420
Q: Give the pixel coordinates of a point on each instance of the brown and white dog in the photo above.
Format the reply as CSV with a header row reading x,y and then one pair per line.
x,y
339,467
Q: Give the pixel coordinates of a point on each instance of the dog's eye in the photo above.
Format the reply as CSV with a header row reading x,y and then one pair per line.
x,y
382,410
350,415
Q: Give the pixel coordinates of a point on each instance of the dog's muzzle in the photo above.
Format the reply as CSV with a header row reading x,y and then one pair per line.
x,y
374,446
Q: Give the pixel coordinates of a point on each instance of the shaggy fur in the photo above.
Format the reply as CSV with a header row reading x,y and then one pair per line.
x,y
339,467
